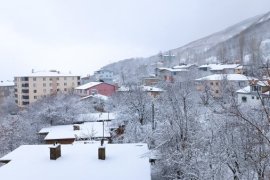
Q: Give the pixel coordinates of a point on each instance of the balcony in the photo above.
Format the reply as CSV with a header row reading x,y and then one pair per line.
x,y
25,98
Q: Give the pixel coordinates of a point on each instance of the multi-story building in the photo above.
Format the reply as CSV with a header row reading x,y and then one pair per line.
x,y
33,86
6,88
217,82
104,75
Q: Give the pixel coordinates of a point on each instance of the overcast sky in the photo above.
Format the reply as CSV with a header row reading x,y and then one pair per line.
x,y
83,35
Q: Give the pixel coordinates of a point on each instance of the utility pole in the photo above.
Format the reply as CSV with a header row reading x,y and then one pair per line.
x,y
153,116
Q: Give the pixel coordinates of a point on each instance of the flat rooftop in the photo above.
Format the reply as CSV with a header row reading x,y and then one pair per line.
x,y
80,161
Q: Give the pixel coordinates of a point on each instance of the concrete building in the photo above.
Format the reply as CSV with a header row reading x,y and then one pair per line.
x,y
217,82
77,161
104,75
6,88
30,87
255,94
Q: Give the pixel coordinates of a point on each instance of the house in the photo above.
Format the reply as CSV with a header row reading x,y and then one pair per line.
x,y
91,88
30,87
67,134
150,80
104,75
77,161
185,66
208,69
217,82
171,75
95,117
150,90
6,88
87,79
254,94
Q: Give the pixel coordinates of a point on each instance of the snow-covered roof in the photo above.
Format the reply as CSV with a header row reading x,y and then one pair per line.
x,y
151,89
218,67
97,96
87,130
88,85
96,117
47,74
77,161
245,90
172,70
6,83
143,88
184,66
229,77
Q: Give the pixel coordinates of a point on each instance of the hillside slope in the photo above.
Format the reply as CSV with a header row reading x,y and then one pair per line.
x,y
230,45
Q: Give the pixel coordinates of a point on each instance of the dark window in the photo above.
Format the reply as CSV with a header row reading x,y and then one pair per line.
x,y
252,97
35,91
25,91
25,103
24,78
216,91
25,97
211,83
244,99
25,85
258,98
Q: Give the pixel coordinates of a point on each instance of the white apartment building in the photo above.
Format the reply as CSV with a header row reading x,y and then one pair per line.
x,y
30,87
104,75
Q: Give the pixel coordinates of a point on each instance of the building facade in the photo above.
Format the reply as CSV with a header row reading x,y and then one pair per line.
x,y
6,88
96,88
104,75
31,87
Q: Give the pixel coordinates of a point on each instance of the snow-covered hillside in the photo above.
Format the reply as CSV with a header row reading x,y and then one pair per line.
x,y
230,45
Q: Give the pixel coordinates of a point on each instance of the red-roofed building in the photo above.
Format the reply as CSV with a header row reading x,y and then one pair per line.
x,y
96,88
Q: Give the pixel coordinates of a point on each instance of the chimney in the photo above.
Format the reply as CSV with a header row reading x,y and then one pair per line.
x,y
101,151
55,151
76,127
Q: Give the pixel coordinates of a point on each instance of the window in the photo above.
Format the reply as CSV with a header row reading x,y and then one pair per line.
x,y
256,88
57,78
252,97
44,79
217,83
34,79
35,97
216,91
44,84
44,90
65,84
258,98
57,84
35,91
244,99
65,78
65,89
50,84
34,85
211,83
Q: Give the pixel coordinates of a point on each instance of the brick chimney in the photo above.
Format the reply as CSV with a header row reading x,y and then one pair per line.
x,y
76,127
55,151
102,151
